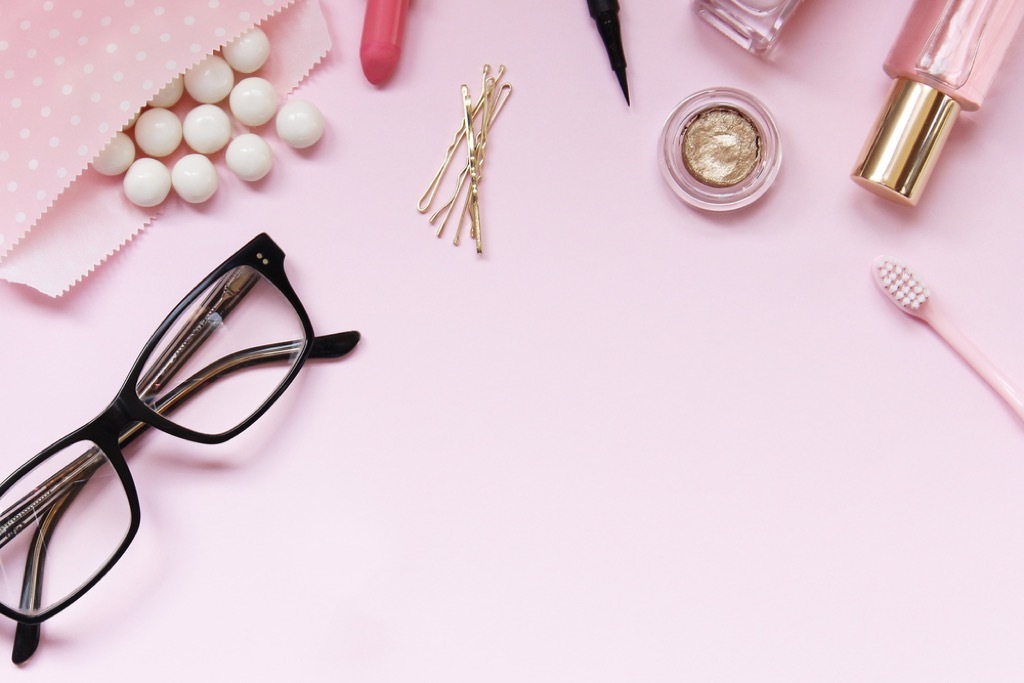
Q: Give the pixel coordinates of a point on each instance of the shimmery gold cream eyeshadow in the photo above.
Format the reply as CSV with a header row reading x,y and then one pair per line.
x,y
720,149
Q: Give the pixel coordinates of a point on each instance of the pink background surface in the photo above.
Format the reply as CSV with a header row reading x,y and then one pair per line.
x,y
632,442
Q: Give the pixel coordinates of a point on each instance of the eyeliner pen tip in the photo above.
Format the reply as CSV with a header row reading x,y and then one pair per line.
x,y
622,82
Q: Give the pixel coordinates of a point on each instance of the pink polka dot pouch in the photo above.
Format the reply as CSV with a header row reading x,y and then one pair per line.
x,y
75,72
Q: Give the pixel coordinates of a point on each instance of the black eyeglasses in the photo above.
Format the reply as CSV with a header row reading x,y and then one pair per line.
x,y
70,512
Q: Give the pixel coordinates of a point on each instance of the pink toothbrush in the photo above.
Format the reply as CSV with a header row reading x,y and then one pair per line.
x,y
912,296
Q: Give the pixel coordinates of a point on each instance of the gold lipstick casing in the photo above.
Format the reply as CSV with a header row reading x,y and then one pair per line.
x,y
899,156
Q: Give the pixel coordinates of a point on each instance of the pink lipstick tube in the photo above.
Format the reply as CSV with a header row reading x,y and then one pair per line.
x,y
381,45
943,61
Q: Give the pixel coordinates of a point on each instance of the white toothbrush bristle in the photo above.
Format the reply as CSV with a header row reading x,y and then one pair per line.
x,y
901,284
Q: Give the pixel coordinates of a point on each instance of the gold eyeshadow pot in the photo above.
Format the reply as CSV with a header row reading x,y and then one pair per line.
x,y
720,149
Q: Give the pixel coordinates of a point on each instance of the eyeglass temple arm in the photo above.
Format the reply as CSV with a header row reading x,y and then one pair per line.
x,y
26,638
82,467
325,347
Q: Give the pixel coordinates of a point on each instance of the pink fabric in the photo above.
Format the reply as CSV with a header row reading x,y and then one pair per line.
x,y
73,73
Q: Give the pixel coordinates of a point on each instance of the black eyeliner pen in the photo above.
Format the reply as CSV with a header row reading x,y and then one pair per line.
x,y
606,14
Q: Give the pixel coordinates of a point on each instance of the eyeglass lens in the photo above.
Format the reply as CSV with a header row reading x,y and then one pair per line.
x,y
241,311
73,550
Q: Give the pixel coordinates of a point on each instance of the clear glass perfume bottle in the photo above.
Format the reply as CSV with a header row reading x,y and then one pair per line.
x,y
753,24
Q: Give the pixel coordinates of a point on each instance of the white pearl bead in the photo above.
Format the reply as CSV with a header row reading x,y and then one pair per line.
x,y
253,101
158,132
249,157
300,123
248,52
207,128
147,182
210,80
116,157
194,178
170,94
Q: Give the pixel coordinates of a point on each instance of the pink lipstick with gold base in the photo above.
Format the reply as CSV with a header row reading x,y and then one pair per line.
x,y
943,61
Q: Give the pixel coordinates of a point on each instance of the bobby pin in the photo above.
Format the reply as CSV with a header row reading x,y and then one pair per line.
x,y
493,97
460,136
427,197
446,208
473,171
476,164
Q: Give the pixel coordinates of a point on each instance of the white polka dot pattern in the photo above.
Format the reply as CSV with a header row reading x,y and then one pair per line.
x,y
75,71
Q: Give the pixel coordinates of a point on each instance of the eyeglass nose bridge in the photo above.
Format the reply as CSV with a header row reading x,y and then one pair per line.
x,y
115,419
